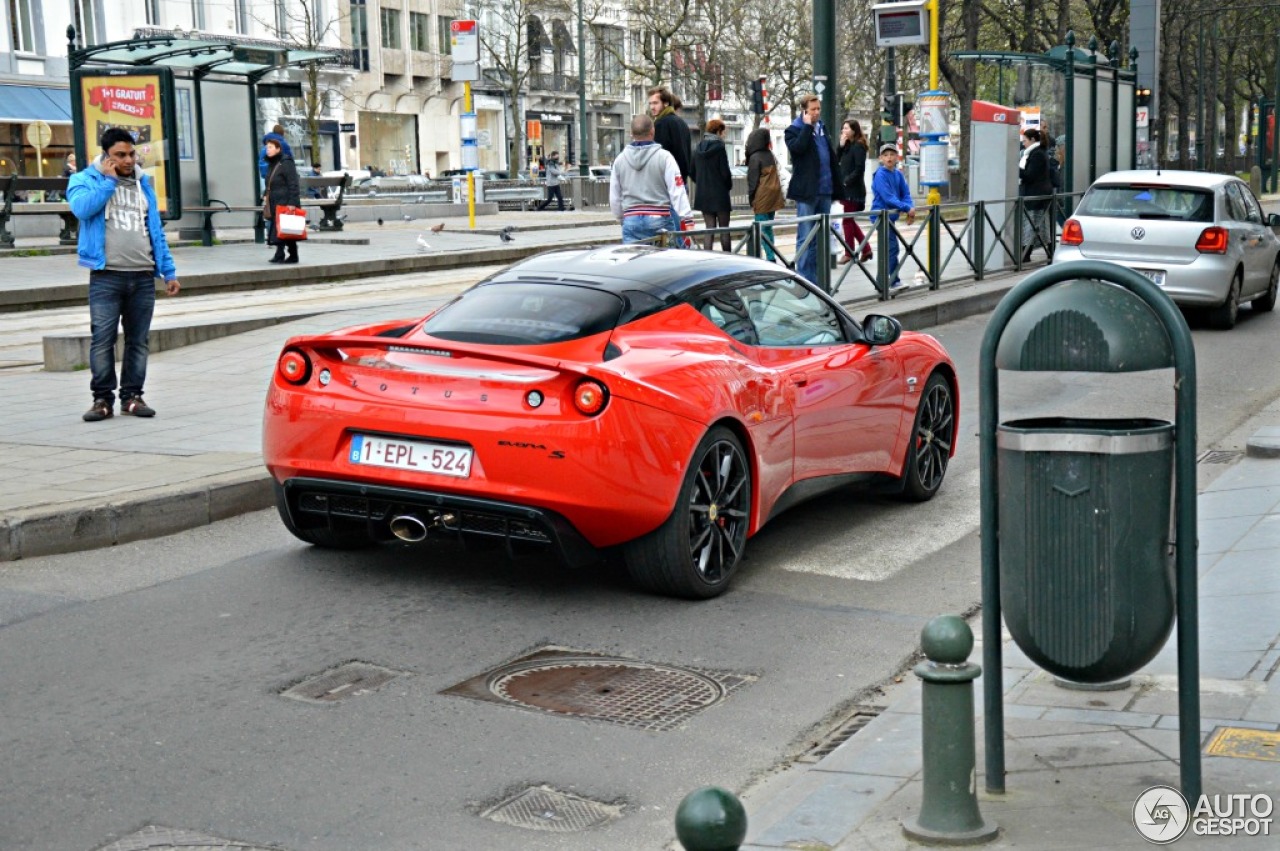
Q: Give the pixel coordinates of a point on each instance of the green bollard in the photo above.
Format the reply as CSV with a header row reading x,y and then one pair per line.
x,y
711,819
949,805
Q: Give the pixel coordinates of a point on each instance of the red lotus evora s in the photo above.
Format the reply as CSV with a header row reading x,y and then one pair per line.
x,y
665,403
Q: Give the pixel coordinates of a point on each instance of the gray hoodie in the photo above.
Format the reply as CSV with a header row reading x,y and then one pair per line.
x,y
646,182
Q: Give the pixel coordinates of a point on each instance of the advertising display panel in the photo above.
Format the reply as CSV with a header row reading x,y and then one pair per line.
x,y
141,101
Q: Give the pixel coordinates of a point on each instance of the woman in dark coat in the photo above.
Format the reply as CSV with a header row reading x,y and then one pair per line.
x,y
853,166
1034,179
712,181
764,186
282,191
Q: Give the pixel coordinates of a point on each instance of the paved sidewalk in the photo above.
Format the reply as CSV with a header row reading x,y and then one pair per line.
x,y
1076,761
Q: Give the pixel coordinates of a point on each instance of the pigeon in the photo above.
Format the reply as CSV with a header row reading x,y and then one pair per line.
x,y
342,217
407,217
423,245
505,234
420,199
379,221
437,228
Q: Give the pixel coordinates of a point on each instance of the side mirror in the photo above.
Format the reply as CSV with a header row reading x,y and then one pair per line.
x,y
1273,220
879,330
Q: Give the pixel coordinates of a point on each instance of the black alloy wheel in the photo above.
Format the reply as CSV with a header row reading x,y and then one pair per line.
x,y
931,437
696,551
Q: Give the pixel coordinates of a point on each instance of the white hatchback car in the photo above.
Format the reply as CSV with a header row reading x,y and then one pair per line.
x,y
1201,237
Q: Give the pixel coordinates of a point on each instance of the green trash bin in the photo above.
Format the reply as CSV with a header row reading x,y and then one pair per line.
x,y
1086,568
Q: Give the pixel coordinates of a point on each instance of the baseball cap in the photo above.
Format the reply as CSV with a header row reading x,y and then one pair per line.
x,y
889,147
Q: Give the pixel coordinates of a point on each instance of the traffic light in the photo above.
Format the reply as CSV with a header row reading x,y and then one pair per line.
x,y
757,96
1142,97
892,109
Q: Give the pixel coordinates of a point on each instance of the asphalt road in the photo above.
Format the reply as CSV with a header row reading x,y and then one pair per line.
x,y
142,686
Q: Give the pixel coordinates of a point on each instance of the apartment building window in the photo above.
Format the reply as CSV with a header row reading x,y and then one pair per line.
x,y
390,19
85,18
197,14
22,25
609,74
360,34
420,32
242,16
319,23
446,35
282,19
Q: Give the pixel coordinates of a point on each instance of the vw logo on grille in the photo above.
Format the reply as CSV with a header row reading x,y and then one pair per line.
x,y
1138,233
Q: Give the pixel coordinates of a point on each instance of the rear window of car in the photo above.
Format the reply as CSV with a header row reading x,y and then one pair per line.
x,y
525,314
1148,202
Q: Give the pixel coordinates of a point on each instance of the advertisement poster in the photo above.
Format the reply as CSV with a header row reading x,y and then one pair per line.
x,y
142,103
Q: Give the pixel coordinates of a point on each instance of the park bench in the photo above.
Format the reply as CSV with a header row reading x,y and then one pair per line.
x,y
329,204
20,185
330,201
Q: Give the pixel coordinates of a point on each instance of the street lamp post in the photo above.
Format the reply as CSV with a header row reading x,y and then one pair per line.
x,y
583,165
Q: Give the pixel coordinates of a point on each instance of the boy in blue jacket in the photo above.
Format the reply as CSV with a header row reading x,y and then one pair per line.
x,y
122,243
892,195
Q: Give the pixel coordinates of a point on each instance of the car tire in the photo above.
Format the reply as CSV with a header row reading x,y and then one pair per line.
x,y
1223,317
1266,302
931,437
697,549
326,538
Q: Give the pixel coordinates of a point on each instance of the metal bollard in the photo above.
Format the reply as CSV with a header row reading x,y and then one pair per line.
x,y
949,807
711,819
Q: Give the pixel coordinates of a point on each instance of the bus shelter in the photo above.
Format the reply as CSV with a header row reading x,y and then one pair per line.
x,y
1097,105
198,75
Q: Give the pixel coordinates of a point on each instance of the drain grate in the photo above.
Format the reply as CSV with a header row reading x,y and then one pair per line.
x,y
581,684
1220,456
155,837
346,680
544,808
861,717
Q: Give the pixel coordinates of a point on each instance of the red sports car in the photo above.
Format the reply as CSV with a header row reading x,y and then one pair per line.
x,y
665,403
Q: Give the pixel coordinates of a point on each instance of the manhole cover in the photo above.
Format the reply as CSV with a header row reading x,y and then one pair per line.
x,y
347,680
544,808
1244,743
636,694
155,837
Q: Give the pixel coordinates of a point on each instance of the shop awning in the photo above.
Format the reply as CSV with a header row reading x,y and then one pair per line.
x,y
24,104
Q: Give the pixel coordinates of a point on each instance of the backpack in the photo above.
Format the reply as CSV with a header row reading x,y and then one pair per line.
x,y
768,197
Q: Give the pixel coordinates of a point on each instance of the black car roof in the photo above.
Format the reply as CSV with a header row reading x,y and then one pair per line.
x,y
664,274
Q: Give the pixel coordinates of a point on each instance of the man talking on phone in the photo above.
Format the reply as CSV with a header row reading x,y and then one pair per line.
x,y
123,245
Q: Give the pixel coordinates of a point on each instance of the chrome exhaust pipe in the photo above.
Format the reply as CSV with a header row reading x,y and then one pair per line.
x,y
406,527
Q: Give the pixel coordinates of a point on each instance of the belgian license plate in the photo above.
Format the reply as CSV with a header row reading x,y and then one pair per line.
x,y
1155,275
418,455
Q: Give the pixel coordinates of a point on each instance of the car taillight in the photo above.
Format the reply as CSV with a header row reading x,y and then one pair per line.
x,y
590,397
294,367
1212,241
1072,233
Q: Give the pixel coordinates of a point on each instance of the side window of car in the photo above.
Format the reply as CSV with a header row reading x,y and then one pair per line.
x,y
1235,204
787,314
1251,203
725,309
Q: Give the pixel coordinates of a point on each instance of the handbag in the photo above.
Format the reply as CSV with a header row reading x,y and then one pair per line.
x,y
291,223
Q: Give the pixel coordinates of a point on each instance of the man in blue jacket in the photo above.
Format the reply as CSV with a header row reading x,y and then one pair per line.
x,y
813,183
892,195
122,243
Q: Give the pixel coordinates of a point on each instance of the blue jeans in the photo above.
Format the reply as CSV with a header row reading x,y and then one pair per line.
x,y
766,233
116,298
640,228
807,263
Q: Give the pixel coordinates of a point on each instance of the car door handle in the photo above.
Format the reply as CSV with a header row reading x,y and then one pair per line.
x,y
799,379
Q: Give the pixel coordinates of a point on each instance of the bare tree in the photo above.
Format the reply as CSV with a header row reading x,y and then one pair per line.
x,y
511,44
303,25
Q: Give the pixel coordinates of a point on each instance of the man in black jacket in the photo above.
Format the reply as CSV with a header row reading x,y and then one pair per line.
x,y
670,131
814,166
